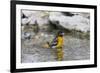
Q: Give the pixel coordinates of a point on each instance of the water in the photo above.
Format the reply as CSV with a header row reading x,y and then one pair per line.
x,y
74,49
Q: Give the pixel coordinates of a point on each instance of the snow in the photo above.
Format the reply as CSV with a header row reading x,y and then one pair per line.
x,y
35,16
24,21
78,22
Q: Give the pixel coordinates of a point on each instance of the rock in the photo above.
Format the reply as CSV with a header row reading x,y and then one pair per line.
x,y
25,35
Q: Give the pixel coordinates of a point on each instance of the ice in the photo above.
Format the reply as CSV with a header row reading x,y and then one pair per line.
x,y
77,22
